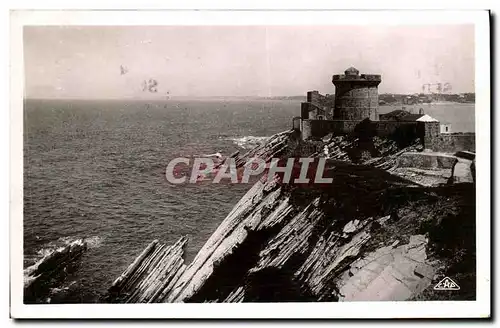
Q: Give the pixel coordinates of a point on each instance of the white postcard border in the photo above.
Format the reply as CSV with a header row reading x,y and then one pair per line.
x,y
478,308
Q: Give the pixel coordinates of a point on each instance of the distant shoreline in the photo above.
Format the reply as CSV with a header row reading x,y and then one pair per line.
x,y
216,98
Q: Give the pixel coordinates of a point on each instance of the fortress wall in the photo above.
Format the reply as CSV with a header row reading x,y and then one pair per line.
x,y
430,131
307,129
304,110
403,131
453,142
320,128
313,97
326,102
296,123
356,101
373,95
388,128
311,111
425,160
345,127
317,128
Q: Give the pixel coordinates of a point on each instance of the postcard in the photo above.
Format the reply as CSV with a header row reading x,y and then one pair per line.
x,y
302,164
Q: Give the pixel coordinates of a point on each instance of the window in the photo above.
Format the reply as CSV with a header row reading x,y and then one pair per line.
x,y
320,117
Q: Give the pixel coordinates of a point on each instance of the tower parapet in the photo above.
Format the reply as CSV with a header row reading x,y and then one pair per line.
x,y
356,95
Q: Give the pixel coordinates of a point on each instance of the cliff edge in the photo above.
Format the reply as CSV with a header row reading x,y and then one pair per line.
x,y
373,234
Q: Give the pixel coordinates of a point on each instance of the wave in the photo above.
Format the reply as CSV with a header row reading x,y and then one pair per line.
x,y
248,142
92,242
217,154
61,289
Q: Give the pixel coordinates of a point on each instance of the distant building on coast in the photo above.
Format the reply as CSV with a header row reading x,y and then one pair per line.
x,y
356,100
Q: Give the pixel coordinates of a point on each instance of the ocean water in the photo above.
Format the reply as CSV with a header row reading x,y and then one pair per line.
x,y
96,169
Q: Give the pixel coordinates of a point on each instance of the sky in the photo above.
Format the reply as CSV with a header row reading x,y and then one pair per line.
x,y
200,61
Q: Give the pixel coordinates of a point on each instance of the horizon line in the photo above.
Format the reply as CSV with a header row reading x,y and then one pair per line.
x,y
159,98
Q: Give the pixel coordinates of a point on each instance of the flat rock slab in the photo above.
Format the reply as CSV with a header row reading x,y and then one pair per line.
x,y
462,171
426,160
388,274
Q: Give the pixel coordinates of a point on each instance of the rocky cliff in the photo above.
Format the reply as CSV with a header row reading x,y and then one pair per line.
x,y
44,277
372,234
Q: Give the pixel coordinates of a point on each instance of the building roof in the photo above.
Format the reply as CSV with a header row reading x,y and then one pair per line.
x,y
405,116
351,71
426,118
394,115
397,112
412,117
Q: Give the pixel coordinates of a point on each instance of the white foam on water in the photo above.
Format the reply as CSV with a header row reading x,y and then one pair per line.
x,y
217,155
248,142
94,241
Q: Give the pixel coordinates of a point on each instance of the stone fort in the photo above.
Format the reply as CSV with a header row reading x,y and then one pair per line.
x,y
354,110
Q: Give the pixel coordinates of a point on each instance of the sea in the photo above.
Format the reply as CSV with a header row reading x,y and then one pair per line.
x,y
95,169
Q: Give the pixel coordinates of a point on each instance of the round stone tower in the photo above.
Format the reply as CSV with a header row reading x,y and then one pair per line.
x,y
356,96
